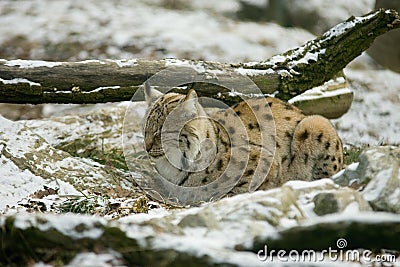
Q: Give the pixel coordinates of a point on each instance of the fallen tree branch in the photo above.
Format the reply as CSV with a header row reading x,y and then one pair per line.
x,y
288,74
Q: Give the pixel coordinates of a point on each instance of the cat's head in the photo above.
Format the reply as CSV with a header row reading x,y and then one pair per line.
x,y
175,128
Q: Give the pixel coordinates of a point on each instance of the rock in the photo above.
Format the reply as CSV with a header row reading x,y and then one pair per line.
x,y
378,171
97,133
200,219
338,200
380,168
29,163
20,111
348,176
228,232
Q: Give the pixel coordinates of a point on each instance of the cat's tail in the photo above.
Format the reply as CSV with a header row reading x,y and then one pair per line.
x,y
316,149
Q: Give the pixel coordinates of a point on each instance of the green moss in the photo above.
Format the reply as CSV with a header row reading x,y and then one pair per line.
x,y
114,157
83,205
352,153
101,205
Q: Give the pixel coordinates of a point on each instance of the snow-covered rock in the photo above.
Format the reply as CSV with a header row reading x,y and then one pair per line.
x,y
95,133
229,231
378,175
338,201
29,164
380,168
225,232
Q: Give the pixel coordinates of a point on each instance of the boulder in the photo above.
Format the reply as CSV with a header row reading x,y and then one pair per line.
x,y
378,175
227,232
94,134
30,164
380,169
337,201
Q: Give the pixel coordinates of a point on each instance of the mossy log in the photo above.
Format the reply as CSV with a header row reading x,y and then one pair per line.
x,y
58,238
287,75
49,238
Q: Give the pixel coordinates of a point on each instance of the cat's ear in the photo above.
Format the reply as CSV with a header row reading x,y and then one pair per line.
x,y
190,102
151,94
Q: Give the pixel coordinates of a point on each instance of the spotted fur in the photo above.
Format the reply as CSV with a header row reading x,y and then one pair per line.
x,y
180,136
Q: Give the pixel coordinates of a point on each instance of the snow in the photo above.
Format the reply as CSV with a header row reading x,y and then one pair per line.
x,y
19,80
353,166
296,184
344,26
185,63
16,184
375,107
319,92
309,56
244,96
394,197
124,62
28,64
253,72
143,217
108,259
153,30
73,225
371,193
88,61
99,89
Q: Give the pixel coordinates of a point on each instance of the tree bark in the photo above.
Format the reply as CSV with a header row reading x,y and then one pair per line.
x,y
287,74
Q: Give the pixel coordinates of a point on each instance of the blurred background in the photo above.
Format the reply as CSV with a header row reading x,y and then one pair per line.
x,y
225,31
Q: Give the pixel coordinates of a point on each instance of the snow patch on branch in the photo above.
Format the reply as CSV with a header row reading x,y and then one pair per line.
x,y
28,64
89,61
250,95
124,62
99,89
185,63
254,72
344,26
19,80
309,56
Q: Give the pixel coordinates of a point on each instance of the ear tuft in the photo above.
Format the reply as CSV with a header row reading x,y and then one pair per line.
x,y
151,94
191,95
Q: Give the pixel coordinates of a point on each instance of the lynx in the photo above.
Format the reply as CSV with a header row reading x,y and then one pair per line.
x,y
266,140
